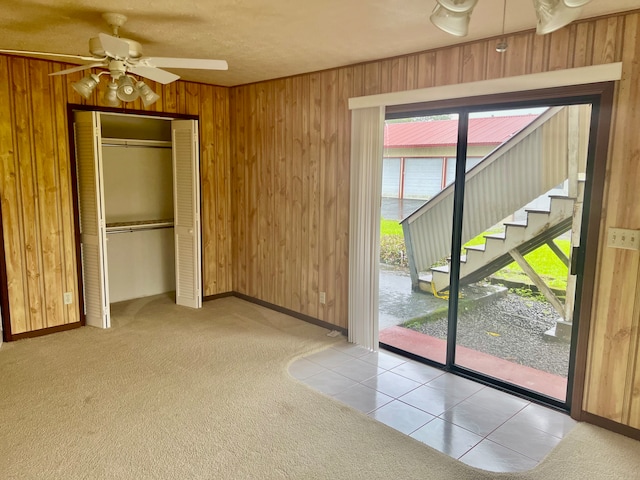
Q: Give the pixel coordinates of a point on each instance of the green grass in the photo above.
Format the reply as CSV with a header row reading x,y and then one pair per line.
x,y
543,260
390,227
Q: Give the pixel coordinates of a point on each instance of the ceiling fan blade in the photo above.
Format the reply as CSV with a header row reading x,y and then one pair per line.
x,y
193,63
155,74
48,54
78,68
114,46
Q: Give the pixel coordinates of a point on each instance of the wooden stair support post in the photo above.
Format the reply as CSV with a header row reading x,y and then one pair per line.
x,y
544,289
559,253
578,124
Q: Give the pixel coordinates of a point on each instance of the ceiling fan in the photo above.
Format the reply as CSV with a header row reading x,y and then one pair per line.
x,y
122,57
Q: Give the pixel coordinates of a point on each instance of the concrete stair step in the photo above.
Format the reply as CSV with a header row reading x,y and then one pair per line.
x,y
497,245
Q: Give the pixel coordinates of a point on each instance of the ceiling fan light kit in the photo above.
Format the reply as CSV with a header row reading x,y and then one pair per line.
x,y
86,86
459,6
555,14
147,95
121,58
453,16
111,95
126,90
454,23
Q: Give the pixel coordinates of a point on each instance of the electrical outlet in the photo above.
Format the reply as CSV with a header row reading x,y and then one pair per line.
x,y
323,297
68,298
623,238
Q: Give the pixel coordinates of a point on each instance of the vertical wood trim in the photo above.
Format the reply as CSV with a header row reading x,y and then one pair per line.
x,y
295,229
314,192
473,62
25,171
343,140
288,230
11,261
66,188
280,207
305,274
210,200
328,161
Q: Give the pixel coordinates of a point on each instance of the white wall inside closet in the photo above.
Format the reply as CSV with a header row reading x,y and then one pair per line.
x,y
138,195
127,184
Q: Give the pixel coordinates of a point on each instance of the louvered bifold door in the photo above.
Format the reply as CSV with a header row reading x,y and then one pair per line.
x,y
186,201
92,225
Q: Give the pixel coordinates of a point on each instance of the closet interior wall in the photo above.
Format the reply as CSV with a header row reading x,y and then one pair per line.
x,y
138,196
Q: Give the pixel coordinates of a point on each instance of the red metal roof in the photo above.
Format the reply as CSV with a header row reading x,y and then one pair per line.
x,y
438,133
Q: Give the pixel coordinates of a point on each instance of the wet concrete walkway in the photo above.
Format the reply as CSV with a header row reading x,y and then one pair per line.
x,y
397,302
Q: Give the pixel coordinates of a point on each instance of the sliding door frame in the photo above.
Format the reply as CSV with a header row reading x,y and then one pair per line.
x,y
600,96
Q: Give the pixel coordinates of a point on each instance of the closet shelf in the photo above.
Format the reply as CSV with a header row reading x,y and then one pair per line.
x,y
123,227
132,142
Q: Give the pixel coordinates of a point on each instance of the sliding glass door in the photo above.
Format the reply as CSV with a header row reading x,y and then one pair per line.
x,y
489,256
419,158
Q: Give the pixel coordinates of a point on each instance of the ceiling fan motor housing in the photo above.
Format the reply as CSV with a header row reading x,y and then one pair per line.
x,y
96,48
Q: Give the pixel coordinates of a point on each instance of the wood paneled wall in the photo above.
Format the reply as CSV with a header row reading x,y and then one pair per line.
x,y
36,194
290,188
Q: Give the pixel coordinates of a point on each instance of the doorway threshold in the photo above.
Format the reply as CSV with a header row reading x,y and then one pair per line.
x,y
426,346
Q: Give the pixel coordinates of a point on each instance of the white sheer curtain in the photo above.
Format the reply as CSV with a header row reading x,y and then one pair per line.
x,y
367,138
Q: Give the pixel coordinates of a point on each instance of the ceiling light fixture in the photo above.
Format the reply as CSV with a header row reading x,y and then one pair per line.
x,y
147,95
111,95
453,16
555,14
87,85
126,90
122,87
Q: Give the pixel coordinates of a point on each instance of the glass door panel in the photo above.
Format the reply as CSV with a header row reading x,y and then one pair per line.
x,y
416,218
521,220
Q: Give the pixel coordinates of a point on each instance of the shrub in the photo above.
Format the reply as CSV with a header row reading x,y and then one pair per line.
x,y
393,250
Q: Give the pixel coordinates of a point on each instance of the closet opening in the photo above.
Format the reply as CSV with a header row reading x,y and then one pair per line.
x,y
137,210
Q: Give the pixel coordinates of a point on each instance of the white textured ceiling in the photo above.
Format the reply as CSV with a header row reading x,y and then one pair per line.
x,y
261,39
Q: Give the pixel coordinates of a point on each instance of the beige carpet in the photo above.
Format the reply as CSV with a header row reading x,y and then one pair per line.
x,y
173,393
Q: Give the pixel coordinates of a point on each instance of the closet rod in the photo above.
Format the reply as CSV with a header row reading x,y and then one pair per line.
x,y
136,229
128,145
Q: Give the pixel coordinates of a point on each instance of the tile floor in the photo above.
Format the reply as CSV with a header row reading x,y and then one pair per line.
x,y
478,425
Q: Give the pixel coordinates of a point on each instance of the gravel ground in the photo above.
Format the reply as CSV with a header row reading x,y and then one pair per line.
x,y
512,328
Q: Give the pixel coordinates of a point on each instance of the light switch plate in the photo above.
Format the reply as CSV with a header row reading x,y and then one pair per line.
x,y
623,238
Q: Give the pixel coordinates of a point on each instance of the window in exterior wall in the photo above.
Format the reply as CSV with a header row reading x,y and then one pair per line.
x,y
391,177
422,177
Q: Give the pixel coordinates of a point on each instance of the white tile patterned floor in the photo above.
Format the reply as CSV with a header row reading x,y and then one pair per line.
x,y
478,425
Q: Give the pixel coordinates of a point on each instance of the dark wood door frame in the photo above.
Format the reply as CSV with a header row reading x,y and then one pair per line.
x,y
4,289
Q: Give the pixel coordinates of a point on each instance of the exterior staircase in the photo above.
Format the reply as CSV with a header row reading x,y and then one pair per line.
x,y
543,155
526,166
479,261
